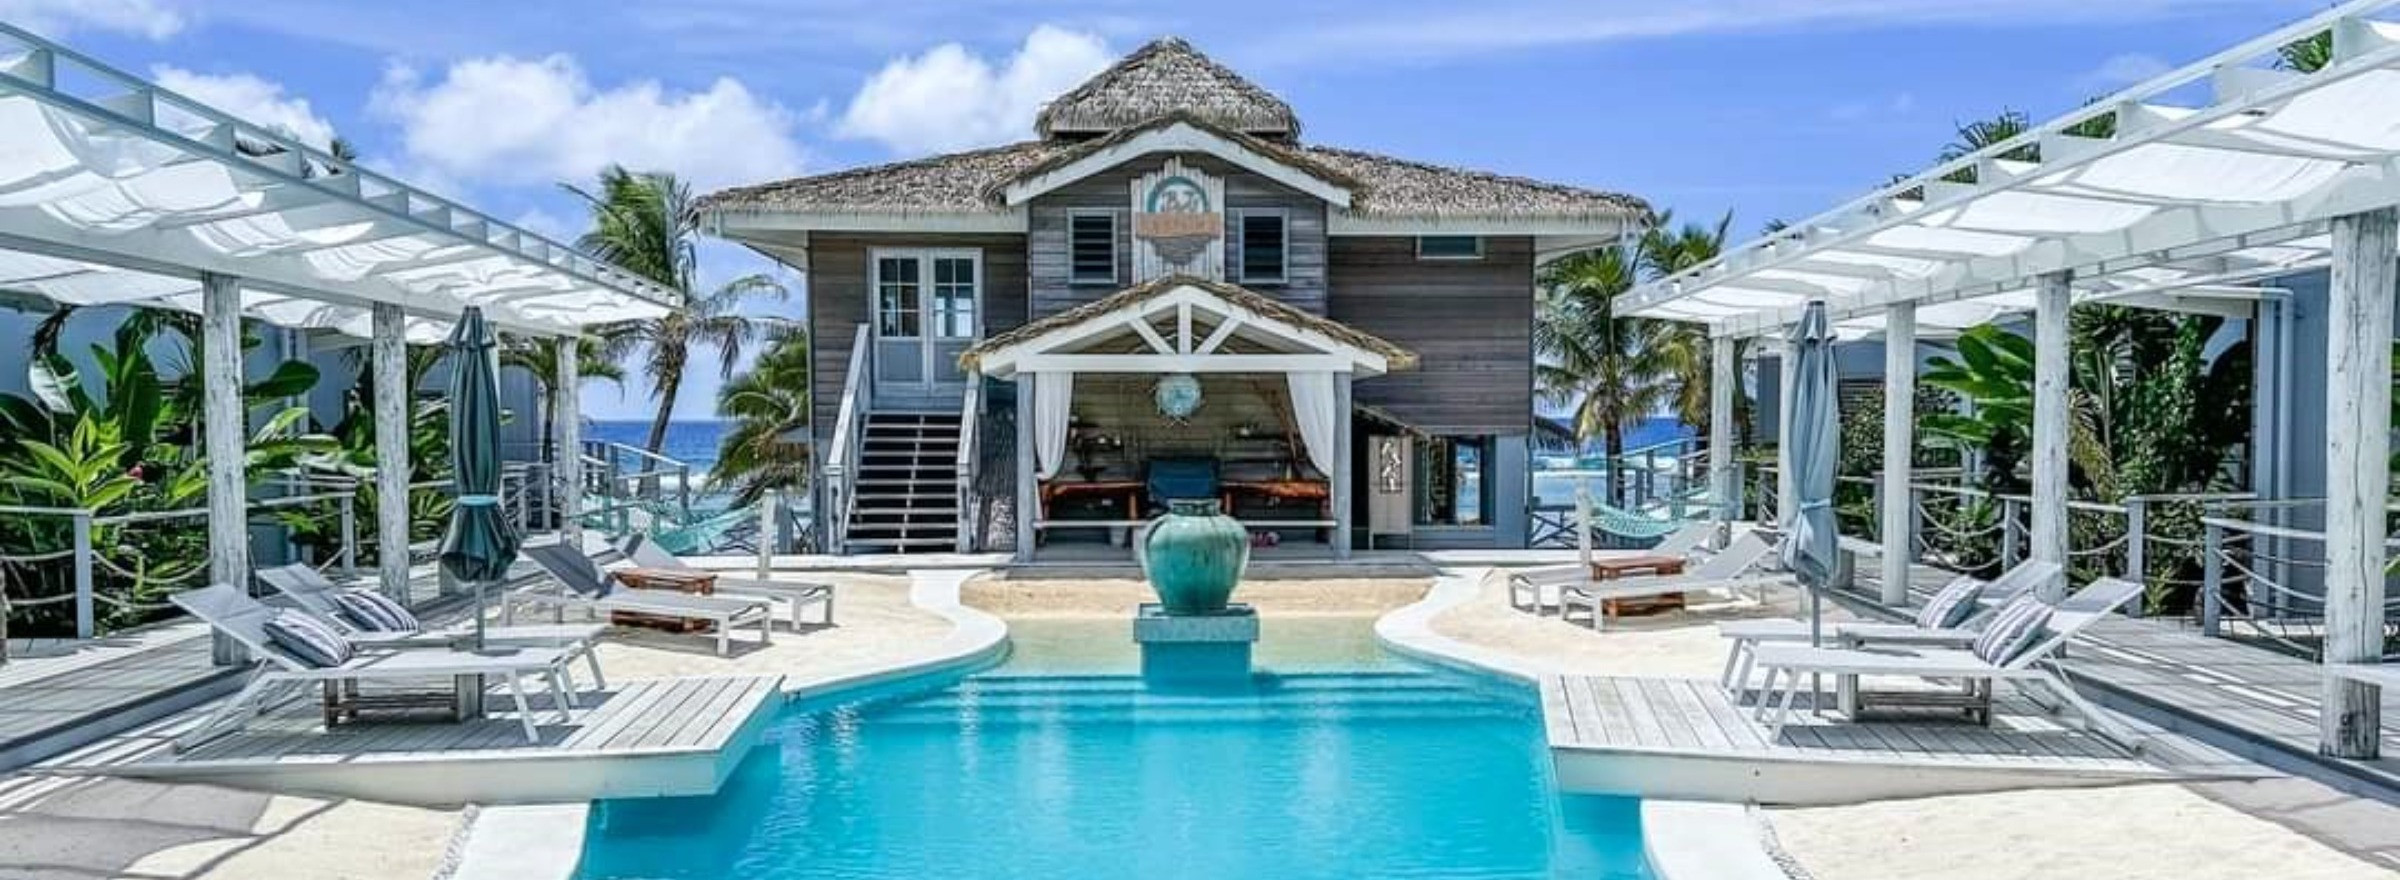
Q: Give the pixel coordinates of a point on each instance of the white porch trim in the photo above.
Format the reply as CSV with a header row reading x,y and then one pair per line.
x,y
1176,137
1051,351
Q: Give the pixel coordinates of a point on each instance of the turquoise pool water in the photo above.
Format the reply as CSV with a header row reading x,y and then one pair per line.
x,y
1375,769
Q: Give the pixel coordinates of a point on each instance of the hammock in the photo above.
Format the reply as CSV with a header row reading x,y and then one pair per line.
x,y
1633,525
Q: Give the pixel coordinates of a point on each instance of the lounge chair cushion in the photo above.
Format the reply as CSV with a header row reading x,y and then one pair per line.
x,y
2013,630
308,639
371,611
1952,605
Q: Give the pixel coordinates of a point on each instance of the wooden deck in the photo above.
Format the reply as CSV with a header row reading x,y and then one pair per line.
x,y
1689,739
651,738
58,694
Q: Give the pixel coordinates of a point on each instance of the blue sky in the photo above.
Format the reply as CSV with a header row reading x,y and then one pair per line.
x,y
1766,108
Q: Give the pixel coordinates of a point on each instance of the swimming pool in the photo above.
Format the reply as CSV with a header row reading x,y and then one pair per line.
x,y
1336,762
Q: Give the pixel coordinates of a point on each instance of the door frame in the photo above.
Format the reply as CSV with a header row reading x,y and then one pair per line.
x,y
927,366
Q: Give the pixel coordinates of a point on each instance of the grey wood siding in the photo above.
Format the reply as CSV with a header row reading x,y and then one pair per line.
x,y
837,299
1469,321
1046,220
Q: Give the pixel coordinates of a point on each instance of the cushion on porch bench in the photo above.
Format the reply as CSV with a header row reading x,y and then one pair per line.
x,y
308,639
1952,605
2013,630
371,611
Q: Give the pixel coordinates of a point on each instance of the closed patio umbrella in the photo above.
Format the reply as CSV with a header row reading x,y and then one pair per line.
x,y
1809,537
481,544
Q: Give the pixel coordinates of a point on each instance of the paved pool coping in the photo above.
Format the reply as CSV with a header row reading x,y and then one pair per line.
x,y
1683,840
545,842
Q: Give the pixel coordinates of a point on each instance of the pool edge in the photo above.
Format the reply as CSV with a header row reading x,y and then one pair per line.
x,y
1682,840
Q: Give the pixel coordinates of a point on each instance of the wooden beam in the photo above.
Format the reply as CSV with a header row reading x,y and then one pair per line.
x,y
569,416
388,357
225,429
1182,363
1899,449
1026,491
1218,336
1342,475
2052,301
1723,476
2358,406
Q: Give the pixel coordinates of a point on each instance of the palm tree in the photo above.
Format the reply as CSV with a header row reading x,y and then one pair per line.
x,y
767,446
1666,250
644,223
1613,371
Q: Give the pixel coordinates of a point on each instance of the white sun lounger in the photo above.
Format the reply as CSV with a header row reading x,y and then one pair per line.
x,y
581,583
313,593
244,620
2026,669
794,594
1534,588
1733,568
1747,635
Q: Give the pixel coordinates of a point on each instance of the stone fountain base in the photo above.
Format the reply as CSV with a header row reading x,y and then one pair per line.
x,y
1195,647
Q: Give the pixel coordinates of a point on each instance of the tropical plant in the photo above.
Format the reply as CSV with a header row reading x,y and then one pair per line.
x,y
766,447
644,222
1612,372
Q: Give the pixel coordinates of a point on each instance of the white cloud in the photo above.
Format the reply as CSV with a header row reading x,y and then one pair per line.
x,y
2123,70
57,18
514,121
251,99
949,98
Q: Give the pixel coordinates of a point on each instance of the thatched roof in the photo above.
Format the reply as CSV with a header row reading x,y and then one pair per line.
x,y
1286,154
938,184
1166,76
1395,357
1405,188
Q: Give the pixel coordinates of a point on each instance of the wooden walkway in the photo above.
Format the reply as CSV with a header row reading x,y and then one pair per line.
x,y
651,738
1684,738
53,693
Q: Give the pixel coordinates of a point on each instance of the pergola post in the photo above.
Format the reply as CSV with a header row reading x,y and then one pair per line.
x,y
568,412
1899,449
225,424
388,357
1027,492
2358,405
1787,489
1722,475
2049,533
1342,477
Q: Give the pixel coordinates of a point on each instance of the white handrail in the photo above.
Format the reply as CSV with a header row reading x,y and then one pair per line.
x,y
969,410
841,461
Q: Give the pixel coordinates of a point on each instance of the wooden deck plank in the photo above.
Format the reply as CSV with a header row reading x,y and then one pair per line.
x,y
1645,723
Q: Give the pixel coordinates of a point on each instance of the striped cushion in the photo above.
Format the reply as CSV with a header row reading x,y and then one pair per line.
x,y
371,611
2013,630
1952,606
308,638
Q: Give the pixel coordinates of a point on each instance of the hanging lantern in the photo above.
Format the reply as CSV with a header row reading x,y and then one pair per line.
x,y
1177,395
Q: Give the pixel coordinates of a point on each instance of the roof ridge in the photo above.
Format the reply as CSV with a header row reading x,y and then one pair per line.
x,y
1272,114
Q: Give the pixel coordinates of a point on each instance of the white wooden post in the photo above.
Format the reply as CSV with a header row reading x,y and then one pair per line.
x,y
225,426
388,354
1787,487
2050,306
768,501
1899,448
1028,495
1341,475
2358,405
569,414
1722,382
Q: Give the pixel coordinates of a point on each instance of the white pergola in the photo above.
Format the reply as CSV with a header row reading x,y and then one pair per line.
x,y
114,191
2214,178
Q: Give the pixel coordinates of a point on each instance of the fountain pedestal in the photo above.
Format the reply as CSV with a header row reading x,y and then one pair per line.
x,y
1207,646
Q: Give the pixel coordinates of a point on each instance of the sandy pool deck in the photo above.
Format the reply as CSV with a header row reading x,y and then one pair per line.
x,y
2281,828
874,626
1017,597
64,828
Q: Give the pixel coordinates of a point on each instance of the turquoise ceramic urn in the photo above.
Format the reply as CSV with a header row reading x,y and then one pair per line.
x,y
1194,557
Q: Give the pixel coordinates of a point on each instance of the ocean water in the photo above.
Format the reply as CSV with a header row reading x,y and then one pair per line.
x,y
1068,763
693,441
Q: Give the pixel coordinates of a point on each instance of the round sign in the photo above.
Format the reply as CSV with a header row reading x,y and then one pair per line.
x,y
1177,395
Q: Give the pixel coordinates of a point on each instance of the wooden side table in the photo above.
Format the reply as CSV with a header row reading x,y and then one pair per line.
x,y
1655,564
677,579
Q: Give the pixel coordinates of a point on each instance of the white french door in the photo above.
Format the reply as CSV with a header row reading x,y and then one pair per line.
x,y
927,310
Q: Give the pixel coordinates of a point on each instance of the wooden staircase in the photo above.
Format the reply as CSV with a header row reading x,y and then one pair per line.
x,y
907,484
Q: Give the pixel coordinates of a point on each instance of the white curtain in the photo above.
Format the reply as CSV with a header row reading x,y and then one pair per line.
x,y
1053,401
1313,411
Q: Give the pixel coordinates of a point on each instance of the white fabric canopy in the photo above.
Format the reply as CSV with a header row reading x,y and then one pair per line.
x,y
1053,410
114,191
1314,412
2181,206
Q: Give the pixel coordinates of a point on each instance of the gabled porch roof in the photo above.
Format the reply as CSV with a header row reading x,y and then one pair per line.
x,y
1183,324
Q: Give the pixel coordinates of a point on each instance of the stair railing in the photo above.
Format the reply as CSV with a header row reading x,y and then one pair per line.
x,y
964,468
841,459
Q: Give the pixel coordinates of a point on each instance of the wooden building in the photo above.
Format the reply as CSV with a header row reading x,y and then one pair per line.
x,y
1170,293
